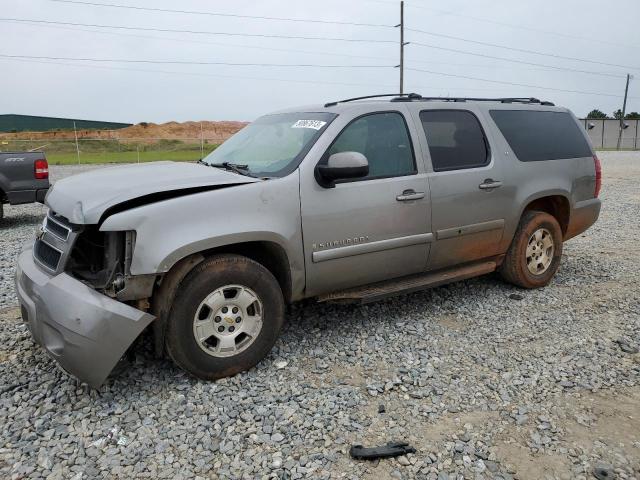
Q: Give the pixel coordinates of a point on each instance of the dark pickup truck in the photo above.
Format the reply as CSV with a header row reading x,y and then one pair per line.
x,y
24,178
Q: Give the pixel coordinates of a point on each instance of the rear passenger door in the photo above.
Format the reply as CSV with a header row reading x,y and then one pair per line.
x,y
469,201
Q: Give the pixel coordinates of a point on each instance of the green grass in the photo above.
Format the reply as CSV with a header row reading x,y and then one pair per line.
x,y
63,152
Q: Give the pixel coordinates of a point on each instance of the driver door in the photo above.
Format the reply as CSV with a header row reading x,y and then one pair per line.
x,y
372,228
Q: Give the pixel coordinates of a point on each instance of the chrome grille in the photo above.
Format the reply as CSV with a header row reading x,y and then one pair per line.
x,y
57,227
47,255
55,242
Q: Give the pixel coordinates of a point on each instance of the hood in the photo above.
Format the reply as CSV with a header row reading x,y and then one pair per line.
x,y
84,198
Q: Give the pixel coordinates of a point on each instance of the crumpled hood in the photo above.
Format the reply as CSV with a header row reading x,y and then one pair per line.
x,y
83,198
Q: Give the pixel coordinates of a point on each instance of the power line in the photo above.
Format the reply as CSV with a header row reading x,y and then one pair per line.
x,y
187,62
512,83
520,27
45,22
466,52
177,31
198,32
217,14
195,74
216,75
522,50
291,80
315,52
203,42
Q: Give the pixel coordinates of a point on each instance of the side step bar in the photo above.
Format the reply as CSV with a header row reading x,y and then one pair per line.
x,y
413,283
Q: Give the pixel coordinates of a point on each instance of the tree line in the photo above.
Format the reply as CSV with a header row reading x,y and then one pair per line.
x,y
595,113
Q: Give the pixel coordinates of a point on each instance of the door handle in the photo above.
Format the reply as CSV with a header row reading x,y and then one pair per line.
x,y
489,184
410,194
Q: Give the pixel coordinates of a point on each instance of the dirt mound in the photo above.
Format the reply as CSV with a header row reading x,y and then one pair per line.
x,y
215,132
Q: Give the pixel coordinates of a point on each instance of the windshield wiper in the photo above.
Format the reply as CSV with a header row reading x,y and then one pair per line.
x,y
234,167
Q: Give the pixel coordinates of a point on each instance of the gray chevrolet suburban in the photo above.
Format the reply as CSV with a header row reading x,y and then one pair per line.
x,y
350,201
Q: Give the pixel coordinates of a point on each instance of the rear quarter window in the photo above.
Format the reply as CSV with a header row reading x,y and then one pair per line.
x,y
538,135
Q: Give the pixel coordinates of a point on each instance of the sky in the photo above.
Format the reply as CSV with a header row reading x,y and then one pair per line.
x,y
541,47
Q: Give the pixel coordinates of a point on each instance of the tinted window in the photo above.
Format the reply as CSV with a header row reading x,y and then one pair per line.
x,y
537,135
382,138
455,139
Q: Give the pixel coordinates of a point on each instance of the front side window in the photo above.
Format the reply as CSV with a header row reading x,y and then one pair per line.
x,y
455,139
272,145
384,139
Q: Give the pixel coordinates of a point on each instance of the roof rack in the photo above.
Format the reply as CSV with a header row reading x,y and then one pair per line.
x,y
420,98
366,97
410,97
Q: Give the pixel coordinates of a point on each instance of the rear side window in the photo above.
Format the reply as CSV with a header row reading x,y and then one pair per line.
x,y
538,135
455,139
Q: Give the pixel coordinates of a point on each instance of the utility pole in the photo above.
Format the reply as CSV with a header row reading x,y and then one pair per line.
x,y
402,44
624,110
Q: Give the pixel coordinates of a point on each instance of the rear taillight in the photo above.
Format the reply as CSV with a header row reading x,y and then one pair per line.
x,y
596,163
41,169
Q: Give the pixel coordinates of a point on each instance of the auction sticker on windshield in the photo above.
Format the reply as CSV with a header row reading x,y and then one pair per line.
x,y
315,124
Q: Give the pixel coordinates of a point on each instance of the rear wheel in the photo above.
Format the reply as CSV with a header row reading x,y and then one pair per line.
x,y
225,318
534,255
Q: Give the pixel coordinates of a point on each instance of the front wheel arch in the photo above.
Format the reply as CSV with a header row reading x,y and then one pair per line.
x,y
268,254
217,273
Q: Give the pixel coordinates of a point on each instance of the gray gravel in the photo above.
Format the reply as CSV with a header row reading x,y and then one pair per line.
x,y
484,383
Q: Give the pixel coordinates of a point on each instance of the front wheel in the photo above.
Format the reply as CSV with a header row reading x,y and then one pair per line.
x,y
534,255
225,318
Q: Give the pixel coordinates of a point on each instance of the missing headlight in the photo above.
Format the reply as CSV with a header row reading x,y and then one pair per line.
x,y
102,259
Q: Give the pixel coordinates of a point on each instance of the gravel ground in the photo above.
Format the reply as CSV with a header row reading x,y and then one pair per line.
x,y
482,382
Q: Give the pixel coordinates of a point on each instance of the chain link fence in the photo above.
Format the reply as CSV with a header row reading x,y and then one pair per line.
x,y
113,150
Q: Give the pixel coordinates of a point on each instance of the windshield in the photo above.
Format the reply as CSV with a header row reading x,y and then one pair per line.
x,y
273,145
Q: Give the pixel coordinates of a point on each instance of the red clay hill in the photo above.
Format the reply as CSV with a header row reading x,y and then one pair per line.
x,y
213,132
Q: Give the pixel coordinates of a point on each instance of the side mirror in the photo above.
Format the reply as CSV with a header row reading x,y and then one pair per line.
x,y
591,126
342,166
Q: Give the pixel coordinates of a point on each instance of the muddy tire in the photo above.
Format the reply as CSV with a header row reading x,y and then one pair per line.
x,y
225,318
534,255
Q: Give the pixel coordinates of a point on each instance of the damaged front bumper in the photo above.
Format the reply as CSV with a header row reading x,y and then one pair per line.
x,y
84,331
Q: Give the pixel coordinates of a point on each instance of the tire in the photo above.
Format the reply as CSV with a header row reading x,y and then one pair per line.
x,y
542,254
231,282
1,211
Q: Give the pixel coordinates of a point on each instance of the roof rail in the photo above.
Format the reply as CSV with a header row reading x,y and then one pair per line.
x,y
397,95
410,97
473,99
